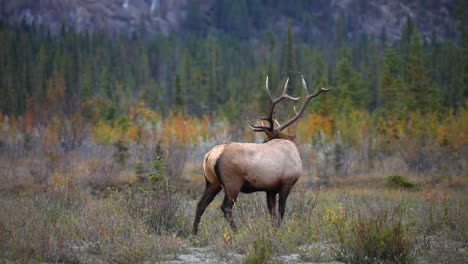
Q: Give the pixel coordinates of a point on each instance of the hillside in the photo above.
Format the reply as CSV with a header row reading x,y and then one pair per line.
x,y
312,19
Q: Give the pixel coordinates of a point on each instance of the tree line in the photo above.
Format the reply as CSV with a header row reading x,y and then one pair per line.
x,y
217,73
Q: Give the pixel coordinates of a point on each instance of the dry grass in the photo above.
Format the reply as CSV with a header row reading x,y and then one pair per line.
x,y
84,208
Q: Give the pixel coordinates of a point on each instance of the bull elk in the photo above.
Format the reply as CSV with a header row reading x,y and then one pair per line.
x,y
273,166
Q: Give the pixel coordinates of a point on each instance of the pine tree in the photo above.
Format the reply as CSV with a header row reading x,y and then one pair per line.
x,y
256,13
214,71
239,18
290,60
349,89
383,37
373,72
158,173
179,95
420,94
391,82
408,32
194,21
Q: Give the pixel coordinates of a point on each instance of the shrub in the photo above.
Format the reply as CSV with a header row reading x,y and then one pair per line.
x,y
101,172
380,237
140,171
121,152
261,252
162,209
399,181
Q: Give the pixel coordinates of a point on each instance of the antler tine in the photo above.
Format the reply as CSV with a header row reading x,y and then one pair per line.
x,y
307,99
319,91
277,123
304,87
268,90
258,128
253,127
285,95
273,103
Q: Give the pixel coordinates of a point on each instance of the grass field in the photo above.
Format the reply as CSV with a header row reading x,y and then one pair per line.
x,y
366,218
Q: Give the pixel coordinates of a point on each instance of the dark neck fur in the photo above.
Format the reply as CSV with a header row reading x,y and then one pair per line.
x,y
276,134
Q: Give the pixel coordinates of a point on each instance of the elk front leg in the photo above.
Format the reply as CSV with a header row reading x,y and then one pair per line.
x,y
271,202
283,197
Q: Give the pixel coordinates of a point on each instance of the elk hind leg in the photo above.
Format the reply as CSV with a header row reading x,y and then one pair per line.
x,y
228,203
211,190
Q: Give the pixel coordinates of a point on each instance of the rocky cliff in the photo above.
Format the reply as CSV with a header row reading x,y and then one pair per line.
x,y
110,15
124,16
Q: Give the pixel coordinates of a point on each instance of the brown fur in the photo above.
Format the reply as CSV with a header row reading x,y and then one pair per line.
x,y
273,167
277,134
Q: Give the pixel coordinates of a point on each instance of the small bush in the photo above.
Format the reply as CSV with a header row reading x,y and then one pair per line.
x,y
398,181
261,252
121,154
376,238
162,210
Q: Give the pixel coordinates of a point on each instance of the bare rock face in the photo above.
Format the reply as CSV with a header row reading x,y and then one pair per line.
x,y
151,16
374,15
115,16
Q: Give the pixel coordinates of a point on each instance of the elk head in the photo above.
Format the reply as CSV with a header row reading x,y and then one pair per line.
x,y
270,130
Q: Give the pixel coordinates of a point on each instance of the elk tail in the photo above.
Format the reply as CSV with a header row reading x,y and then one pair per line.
x,y
211,166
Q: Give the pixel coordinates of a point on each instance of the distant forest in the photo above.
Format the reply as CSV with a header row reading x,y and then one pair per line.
x,y
217,72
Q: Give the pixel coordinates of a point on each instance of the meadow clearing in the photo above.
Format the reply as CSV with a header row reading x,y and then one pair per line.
x,y
119,197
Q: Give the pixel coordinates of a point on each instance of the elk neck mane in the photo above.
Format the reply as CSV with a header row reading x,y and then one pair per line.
x,y
277,134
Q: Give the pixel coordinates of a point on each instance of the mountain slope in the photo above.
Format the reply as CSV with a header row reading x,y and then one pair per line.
x,y
244,19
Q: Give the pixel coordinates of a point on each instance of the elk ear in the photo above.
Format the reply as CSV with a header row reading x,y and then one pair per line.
x,y
292,137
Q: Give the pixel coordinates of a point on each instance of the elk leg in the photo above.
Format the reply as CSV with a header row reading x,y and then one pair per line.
x,y
226,207
211,190
271,202
283,197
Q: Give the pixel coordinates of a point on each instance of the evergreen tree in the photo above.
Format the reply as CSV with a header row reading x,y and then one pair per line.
x,y
226,69
408,32
214,69
158,167
383,37
373,74
349,89
194,21
420,95
391,82
179,95
256,13
290,60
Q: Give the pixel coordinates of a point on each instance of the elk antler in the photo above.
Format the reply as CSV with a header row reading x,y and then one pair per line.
x,y
307,99
273,103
